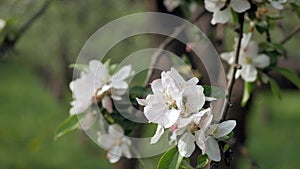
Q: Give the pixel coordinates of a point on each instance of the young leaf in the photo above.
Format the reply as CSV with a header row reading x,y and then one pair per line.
x,y
290,75
202,160
247,93
275,88
70,124
186,164
213,91
170,160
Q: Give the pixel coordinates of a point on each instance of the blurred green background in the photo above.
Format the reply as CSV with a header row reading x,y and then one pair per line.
x,y
34,95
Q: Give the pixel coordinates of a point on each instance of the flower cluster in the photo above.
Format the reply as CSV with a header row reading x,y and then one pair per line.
x,y
249,59
96,85
178,105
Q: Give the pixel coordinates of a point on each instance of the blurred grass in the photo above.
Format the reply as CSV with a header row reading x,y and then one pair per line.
x,y
29,117
274,131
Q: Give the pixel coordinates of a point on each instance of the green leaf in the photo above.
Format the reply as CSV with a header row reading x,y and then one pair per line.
x,y
202,160
213,91
186,164
225,148
170,160
247,93
275,88
290,75
261,27
296,8
70,124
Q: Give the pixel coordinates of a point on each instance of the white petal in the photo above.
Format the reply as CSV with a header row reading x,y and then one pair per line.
x,y
249,73
192,81
252,49
261,61
115,154
115,130
142,102
240,5
159,132
245,40
171,117
186,145
221,16
177,77
211,6
119,84
126,150
228,57
212,149
194,97
156,85
107,104
105,140
200,140
183,122
122,74
225,128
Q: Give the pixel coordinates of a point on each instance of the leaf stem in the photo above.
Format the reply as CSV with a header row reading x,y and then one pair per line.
x,y
236,66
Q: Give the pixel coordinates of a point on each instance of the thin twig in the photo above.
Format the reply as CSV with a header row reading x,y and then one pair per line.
x,y
236,66
165,43
289,36
8,42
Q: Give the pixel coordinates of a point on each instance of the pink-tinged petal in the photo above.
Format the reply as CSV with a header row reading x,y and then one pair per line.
x,y
142,102
205,121
249,73
171,4
261,61
115,130
228,57
107,104
122,74
212,149
224,128
114,154
186,145
221,16
159,132
240,5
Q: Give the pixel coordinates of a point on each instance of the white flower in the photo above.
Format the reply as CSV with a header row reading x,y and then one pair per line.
x,y
171,4
206,137
96,84
222,15
278,4
2,24
249,59
115,142
185,130
84,89
172,97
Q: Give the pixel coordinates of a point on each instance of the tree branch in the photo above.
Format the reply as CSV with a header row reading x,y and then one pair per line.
x,y
236,66
8,42
165,44
289,36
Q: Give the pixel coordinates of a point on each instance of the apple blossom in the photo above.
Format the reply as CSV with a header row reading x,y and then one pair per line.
x,y
96,84
278,4
221,14
115,142
249,59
